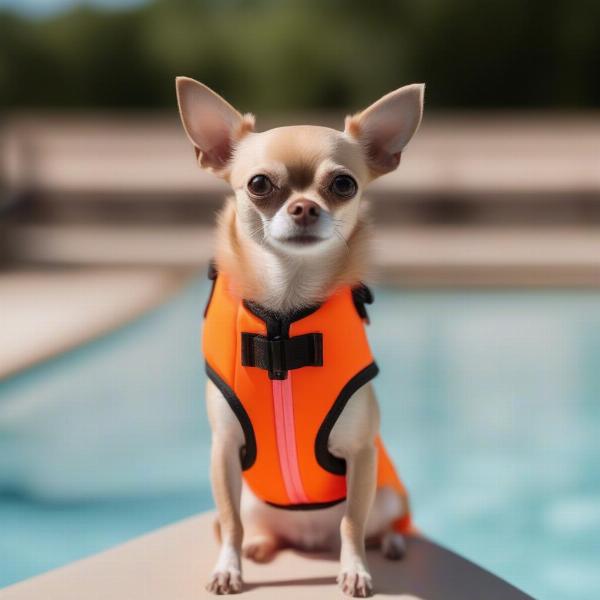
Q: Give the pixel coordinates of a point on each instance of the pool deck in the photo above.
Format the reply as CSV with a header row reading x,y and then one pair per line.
x,y
45,313
176,561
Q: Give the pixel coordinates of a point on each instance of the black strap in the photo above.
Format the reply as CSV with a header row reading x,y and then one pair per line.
x,y
278,356
212,275
362,295
212,270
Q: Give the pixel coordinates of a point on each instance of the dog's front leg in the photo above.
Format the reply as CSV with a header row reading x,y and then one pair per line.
x,y
355,579
353,439
226,479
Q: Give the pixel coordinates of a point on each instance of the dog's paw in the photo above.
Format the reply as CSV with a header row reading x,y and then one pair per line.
x,y
356,583
393,545
228,581
260,549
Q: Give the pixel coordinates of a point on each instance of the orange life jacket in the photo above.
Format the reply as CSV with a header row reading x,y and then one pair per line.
x,y
287,379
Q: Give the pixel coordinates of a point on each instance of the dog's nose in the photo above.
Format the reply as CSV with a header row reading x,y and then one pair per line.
x,y
304,212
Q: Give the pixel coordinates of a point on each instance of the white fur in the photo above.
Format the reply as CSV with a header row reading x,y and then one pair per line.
x,y
295,277
317,529
281,227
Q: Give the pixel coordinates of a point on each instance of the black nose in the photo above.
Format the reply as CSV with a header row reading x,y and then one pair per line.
x,y
304,212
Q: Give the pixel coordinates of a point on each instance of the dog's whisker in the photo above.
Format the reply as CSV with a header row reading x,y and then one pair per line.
x,y
339,234
253,233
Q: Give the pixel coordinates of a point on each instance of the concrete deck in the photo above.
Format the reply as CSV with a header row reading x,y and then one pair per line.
x,y
174,563
44,313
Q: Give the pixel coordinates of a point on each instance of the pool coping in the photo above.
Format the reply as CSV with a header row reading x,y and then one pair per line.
x,y
168,283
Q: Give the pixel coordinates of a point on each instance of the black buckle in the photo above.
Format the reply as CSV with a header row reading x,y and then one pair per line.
x,y
278,356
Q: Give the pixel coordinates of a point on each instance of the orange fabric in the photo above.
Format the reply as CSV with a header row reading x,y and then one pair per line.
x,y
346,352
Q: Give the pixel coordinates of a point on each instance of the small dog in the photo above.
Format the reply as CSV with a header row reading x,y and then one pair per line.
x,y
296,456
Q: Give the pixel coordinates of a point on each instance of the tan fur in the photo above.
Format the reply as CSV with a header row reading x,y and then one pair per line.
x,y
384,128
260,248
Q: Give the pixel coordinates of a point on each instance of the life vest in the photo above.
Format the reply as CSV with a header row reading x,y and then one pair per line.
x,y
287,379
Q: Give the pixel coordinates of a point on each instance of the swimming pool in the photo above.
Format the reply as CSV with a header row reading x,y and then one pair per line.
x,y
491,410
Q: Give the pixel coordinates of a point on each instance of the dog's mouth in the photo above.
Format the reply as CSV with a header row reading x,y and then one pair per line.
x,y
303,239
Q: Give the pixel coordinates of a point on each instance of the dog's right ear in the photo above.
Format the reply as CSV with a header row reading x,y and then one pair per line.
x,y
211,123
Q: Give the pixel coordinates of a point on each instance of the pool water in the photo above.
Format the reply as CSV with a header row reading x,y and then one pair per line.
x,y
491,411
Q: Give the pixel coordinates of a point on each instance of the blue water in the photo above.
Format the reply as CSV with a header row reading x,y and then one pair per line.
x,y
491,410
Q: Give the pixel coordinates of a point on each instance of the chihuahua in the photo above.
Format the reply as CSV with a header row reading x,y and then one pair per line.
x,y
294,233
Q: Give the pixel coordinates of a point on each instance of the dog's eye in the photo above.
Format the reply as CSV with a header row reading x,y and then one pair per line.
x,y
344,186
260,185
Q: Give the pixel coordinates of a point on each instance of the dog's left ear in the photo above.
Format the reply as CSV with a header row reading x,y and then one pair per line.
x,y
211,123
385,127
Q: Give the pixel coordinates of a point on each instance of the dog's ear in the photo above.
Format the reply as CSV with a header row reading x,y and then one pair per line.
x,y
385,127
211,123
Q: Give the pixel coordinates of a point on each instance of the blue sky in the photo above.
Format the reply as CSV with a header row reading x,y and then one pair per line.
x,y
48,7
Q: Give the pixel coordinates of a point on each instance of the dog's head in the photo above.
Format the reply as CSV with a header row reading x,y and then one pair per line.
x,y
297,189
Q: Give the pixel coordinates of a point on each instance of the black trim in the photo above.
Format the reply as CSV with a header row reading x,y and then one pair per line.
x,y
311,506
278,324
328,461
248,451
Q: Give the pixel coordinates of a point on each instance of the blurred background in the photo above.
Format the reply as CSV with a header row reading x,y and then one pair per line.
x,y
487,263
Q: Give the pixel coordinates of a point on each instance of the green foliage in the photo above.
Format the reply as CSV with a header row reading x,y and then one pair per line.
x,y
306,54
